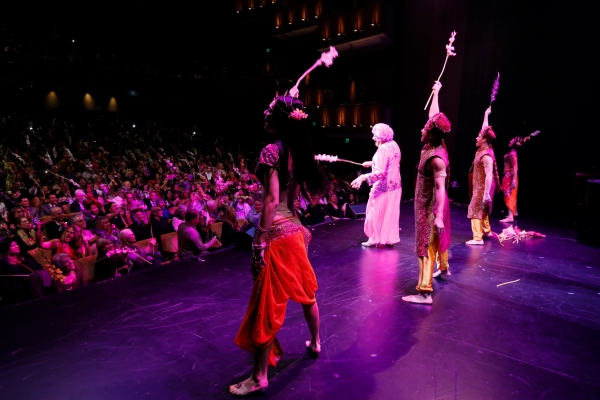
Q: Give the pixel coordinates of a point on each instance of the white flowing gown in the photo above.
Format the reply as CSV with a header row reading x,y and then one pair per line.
x,y
383,208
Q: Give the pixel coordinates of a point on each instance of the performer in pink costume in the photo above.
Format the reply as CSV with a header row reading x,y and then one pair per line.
x,y
383,207
485,182
432,209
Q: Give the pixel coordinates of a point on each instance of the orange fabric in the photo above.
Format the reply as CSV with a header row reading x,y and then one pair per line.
x,y
510,201
288,275
427,263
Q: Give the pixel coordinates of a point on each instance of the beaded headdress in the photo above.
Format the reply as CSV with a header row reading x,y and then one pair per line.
x,y
439,121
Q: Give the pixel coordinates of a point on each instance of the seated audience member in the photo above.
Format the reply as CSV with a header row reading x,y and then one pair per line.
x,y
78,205
242,208
212,211
202,228
50,202
21,277
333,210
140,226
73,243
159,224
351,201
64,194
139,258
91,215
29,212
72,277
188,238
300,213
170,199
229,227
179,216
27,237
13,218
166,213
106,230
254,214
56,226
316,211
116,215
108,263
152,201
131,203
4,232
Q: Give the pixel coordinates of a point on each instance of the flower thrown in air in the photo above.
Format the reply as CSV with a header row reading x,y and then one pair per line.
x,y
327,57
449,47
326,157
298,115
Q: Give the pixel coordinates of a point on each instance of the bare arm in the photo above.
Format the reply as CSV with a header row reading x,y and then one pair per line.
x,y
270,203
485,117
439,177
488,166
49,244
435,106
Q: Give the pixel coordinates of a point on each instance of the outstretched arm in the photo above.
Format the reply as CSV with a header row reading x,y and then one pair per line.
x,y
485,117
439,177
435,106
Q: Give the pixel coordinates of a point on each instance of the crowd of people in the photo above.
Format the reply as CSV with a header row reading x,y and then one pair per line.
x,y
96,188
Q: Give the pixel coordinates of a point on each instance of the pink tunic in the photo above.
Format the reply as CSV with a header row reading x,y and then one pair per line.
x,y
425,202
475,210
383,208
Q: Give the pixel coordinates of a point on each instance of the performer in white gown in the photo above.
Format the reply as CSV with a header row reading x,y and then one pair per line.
x,y
383,208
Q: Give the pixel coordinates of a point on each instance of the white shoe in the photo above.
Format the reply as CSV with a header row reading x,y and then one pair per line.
x,y
367,244
473,241
440,272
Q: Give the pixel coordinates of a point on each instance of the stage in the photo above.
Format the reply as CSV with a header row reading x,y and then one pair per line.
x,y
167,333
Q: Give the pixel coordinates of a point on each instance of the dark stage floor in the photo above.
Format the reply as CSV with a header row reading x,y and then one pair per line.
x,y
167,333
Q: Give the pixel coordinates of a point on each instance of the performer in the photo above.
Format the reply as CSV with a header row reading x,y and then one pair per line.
x,y
383,207
510,180
432,209
280,264
485,182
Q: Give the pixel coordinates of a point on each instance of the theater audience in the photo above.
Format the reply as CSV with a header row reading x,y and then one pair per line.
x,y
107,176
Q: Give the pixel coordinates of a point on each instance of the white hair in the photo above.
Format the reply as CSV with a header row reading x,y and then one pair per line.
x,y
124,233
79,191
383,133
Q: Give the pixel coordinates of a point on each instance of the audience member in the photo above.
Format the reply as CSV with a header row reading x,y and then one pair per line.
x,y
188,239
